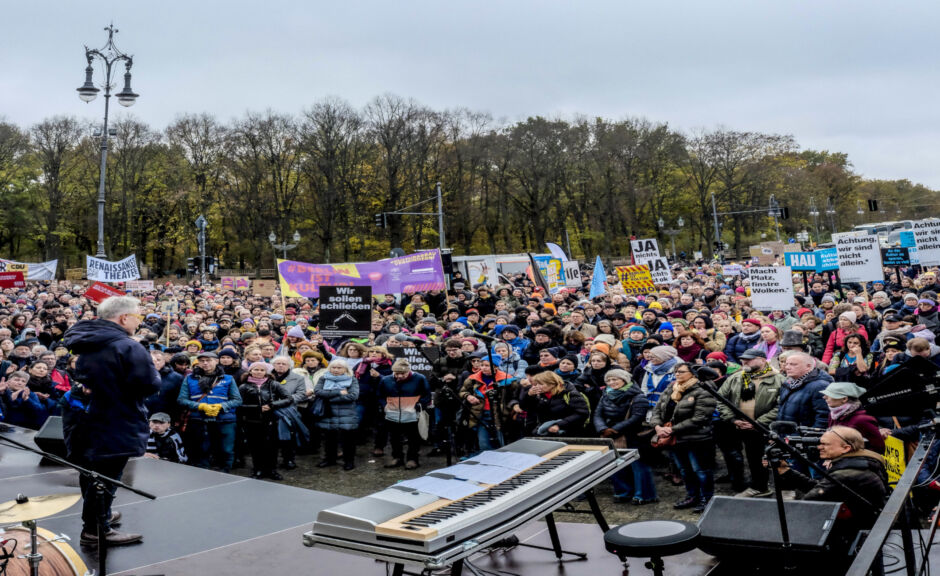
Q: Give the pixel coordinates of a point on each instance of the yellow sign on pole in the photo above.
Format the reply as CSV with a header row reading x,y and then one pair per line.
x,y
636,280
894,459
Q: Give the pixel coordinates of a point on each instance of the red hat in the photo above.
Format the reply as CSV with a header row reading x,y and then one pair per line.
x,y
472,311
753,321
801,311
720,356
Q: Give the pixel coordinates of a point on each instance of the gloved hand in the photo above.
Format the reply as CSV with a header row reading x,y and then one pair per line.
x,y
202,407
608,433
212,410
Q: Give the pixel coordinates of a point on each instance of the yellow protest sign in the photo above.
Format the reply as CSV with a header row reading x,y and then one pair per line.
x,y
894,459
636,279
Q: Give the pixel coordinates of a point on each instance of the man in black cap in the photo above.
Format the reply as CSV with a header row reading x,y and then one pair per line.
x,y
754,390
892,325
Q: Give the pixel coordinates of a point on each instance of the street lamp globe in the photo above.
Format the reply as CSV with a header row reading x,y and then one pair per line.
x,y
272,238
296,236
680,222
661,223
127,97
88,91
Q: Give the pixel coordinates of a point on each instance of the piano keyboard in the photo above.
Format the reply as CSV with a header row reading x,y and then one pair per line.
x,y
405,519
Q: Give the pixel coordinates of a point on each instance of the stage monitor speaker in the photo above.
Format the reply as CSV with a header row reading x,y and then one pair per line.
x,y
747,530
50,437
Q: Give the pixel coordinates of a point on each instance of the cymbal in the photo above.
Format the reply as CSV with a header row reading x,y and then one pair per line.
x,y
36,507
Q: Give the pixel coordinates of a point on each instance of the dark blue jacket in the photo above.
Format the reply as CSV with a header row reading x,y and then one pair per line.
x,y
29,412
120,375
805,405
165,398
626,414
738,343
405,395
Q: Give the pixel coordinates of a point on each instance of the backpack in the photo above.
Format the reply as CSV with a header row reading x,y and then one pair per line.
x,y
567,400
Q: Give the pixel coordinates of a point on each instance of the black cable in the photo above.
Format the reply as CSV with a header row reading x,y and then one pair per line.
x,y
6,556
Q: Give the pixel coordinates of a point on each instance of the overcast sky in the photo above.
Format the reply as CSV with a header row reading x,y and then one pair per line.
x,y
855,76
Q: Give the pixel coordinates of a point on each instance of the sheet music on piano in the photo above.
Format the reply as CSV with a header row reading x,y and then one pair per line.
x,y
447,488
517,461
482,473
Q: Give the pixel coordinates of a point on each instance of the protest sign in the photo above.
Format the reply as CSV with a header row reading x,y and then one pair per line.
x,y
927,240
12,280
732,270
421,359
801,261
636,279
345,311
101,270
895,257
827,259
659,270
139,285
771,287
31,271
238,283
572,274
859,258
894,458
74,274
644,250
552,272
265,288
98,291
483,271
418,272
763,254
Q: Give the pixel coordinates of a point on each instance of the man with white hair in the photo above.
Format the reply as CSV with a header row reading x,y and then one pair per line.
x,y
800,398
119,374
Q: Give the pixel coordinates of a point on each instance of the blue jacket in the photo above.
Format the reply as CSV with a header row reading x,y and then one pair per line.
x,y
805,405
341,413
29,412
738,343
399,398
120,375
165,398
224,391
626,414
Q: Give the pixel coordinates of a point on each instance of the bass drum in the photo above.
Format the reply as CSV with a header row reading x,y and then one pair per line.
x,y
58,558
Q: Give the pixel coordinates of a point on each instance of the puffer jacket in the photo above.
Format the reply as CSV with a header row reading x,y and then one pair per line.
x,y
506,390
739,343
341,413
254,397
570,407
805,405
626,414
692,417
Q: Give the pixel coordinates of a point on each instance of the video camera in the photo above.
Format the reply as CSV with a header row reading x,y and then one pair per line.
x,y
803,438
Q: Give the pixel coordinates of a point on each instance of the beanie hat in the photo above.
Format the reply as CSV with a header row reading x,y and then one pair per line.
x,y
636,328
720,356
620,375
849,315
296,332
228,352
666,326
801,311
674,314
571,358
193,343
753,321
663,353
265,365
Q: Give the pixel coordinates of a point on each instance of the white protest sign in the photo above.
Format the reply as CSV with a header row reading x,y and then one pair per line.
x,y
927,238
100,270
139,285
859,257
732,270
644,250
659,269
771,287
572,274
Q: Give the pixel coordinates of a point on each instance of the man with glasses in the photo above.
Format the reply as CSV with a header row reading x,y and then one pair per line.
x,y
119,374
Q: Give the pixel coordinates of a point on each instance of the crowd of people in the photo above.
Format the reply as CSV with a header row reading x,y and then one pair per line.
x,y
247,380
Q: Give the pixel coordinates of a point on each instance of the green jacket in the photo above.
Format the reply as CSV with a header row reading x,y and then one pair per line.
x,y
692,418
765,401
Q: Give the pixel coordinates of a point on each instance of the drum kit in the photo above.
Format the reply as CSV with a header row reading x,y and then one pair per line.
x,y
60,558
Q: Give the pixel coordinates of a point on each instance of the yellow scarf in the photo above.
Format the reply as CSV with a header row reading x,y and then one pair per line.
x,y
678,390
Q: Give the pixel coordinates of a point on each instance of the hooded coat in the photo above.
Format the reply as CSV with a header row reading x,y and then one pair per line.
x,y
121,375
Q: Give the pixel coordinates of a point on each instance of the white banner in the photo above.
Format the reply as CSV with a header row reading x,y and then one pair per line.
x,y
659,269
771,287
31,270
644,250
927,238
859,258
139,285
100,270
557,252
572,274
732,270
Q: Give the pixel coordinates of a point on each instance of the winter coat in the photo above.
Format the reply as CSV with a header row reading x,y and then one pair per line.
x,y
569,407
591,382
692,416
294,384
765,398
626,414
866,425
340,412
270,393
514,365
369,384
26,412
164,400
121,375
506,390
863,471
739,343
837,340
805,405
399,399
223,391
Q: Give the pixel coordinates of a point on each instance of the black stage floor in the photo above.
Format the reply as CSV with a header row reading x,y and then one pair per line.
x,y
206,522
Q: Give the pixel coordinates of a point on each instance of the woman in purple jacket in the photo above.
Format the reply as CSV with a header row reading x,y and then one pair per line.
x,y
845,409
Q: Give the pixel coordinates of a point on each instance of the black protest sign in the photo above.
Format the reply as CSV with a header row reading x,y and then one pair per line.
x,y
421,359
345,311
895,257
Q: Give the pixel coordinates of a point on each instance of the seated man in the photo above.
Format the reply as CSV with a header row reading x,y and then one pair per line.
x,y
842,450
164,443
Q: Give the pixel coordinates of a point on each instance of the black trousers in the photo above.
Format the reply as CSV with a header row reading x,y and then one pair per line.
x,y
262,444
407,432
110,467
333,439
748,446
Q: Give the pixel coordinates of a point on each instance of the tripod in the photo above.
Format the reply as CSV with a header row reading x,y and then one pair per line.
x,y
100,484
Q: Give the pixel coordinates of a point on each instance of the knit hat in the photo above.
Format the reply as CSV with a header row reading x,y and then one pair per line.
x,y
606,339
193,343
619,374
663,353
720,356
674,314
228,352
828,298
265,365
296,332
849,315
753,321
636,328
801,311
571,358
666,326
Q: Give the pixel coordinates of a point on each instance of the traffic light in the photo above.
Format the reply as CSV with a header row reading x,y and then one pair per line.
x,y
381,221
785,213
872,205
192,267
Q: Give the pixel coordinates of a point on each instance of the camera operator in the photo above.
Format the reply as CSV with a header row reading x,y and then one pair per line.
x,y
445,383
842,450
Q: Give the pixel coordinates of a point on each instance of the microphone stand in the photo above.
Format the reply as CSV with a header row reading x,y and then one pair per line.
x,y
100,484
780,442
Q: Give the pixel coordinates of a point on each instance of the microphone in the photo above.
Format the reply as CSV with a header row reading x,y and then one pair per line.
x,y
706,373
481,336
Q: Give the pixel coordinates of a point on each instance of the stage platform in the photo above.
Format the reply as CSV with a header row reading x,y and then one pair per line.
x,y
206,522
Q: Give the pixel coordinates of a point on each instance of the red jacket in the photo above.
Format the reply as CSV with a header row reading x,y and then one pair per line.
x,y
837,340
867,427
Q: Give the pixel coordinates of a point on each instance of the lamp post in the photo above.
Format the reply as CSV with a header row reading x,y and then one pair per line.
x,y
814,212
774,212
672,232
272,238
109,55
831,213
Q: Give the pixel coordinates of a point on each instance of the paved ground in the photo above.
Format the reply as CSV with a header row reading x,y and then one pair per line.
x,y
371,476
